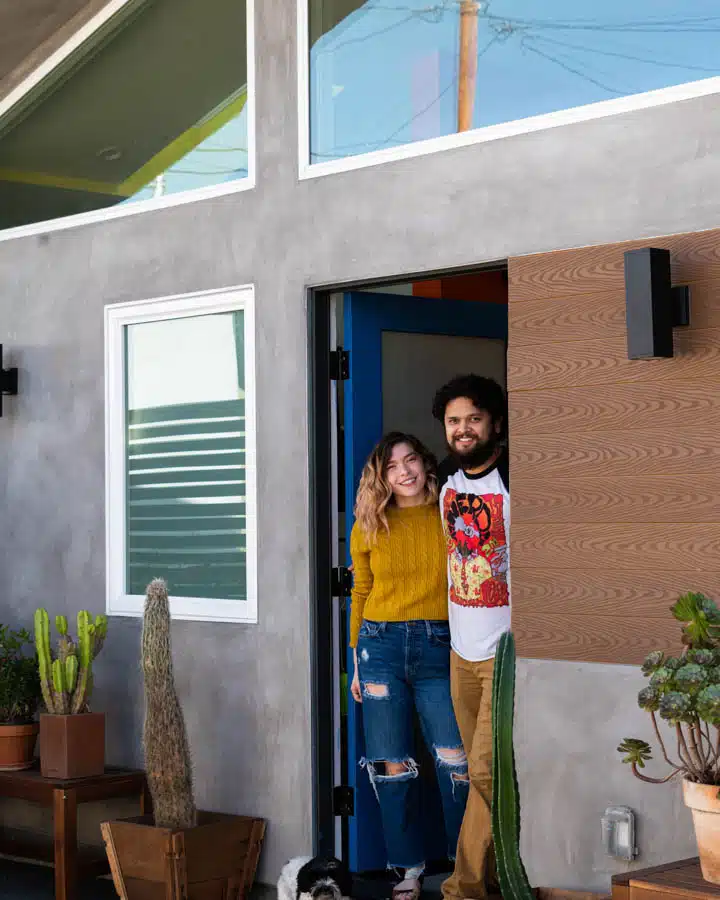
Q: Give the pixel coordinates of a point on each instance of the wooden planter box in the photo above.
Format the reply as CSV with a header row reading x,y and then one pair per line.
x,y
72,746
216,860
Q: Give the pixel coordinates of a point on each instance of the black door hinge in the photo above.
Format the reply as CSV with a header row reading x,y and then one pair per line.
x,y
341,582
339,365
343,800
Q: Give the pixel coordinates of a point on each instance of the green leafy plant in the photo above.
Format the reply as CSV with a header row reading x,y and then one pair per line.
x,y
512,877
19,681
66,679
683,699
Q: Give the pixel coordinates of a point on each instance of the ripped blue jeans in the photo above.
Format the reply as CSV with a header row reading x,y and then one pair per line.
x,y
401,665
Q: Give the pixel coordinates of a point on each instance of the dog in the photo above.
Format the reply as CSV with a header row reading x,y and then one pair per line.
x,y
314,878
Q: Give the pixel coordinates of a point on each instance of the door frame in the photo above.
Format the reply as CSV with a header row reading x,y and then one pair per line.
x,y
318,302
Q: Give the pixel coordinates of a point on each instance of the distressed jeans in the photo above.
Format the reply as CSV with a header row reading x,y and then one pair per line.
x,y
401,666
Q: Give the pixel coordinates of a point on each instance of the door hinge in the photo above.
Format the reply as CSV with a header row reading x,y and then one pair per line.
x,y
343,800
339,364
341,581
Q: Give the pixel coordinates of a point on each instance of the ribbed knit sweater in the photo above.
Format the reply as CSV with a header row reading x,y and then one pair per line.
x,y
402,576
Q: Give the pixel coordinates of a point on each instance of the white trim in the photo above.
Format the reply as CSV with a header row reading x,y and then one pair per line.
x,y
302,49
74,42
117,317
306,170
170,200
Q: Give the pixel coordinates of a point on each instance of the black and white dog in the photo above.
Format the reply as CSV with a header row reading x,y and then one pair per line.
x,y
314,878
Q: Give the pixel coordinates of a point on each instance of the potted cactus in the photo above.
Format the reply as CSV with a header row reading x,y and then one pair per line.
x,y
177,852
511,875
19,700
683,700
72,738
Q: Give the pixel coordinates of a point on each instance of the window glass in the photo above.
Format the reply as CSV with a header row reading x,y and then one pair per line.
x,y
389,72
185,456
153,104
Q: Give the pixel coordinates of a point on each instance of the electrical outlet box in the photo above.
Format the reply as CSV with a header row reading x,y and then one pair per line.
x,y
618,831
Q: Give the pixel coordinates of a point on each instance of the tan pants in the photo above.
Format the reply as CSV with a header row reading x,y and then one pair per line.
x,y
471,684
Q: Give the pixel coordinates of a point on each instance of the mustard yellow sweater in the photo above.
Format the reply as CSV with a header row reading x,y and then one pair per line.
x,y
404,575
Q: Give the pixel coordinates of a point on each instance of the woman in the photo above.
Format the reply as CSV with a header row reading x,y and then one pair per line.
x,y
401,647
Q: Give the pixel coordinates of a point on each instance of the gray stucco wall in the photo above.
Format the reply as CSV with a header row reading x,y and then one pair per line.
x,y
246,689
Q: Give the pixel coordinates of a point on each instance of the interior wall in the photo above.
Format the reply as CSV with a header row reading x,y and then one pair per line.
x,y
615,479
414,366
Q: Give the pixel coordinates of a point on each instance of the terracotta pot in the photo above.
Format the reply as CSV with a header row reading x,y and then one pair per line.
x,y
704,801
17,746
72,746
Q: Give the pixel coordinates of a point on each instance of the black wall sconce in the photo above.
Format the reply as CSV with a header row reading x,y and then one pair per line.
x,y
8,381
653,306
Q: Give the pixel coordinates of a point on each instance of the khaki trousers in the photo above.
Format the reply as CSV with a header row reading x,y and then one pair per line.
x,y
471,684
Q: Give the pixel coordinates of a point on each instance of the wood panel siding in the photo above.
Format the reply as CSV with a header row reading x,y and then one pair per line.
x,y
615,462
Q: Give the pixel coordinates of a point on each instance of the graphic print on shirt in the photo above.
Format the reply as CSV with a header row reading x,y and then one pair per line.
x,y
477,548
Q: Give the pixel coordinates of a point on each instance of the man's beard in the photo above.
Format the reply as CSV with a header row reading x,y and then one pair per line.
x,y
478,455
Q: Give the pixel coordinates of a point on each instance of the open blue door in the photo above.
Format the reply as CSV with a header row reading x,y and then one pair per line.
x,y
401,350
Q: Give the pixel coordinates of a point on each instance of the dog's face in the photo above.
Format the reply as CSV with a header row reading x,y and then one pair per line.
x,y
323,879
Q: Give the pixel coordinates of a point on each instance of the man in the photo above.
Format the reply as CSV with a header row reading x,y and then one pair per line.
x,y
475,507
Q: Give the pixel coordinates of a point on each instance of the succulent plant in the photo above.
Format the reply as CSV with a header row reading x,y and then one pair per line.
x,y
707,704
702,657
653,661
701,620
511,873
167,754
636,752
66,677
676,707
674,663
649,698
683,698
690,677
662,677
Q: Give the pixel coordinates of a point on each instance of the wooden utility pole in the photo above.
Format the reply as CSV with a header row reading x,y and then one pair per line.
x,y
467,71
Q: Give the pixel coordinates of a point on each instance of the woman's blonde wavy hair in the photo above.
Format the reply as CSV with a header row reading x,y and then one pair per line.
x,y
375,494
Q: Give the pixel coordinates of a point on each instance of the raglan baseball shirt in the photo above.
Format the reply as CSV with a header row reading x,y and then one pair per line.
x,y
475,512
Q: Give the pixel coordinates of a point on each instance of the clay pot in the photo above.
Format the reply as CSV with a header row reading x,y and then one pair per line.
x,y
704,801
17,746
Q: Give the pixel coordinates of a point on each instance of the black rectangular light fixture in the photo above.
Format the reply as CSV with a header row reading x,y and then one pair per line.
x,y
653,306
8,381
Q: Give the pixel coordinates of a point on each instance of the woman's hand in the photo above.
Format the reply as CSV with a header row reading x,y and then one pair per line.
x,y
355,689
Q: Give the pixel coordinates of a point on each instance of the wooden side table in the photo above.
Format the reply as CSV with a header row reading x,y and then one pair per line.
x,y
680,880
63,798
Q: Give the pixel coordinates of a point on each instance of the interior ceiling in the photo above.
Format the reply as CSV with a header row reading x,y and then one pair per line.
x,y
164,70
31,30
326,14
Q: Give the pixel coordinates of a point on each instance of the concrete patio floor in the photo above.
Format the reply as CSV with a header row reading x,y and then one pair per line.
x,y
22,881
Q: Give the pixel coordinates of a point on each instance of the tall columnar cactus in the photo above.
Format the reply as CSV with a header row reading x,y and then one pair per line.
x,y
513,879
167,754
66,676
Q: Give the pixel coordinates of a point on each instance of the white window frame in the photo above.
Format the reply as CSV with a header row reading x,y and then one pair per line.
x,y
597,110
117,317
46,69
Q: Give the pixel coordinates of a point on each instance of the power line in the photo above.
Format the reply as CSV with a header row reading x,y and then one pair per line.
x,y
656,62
527,44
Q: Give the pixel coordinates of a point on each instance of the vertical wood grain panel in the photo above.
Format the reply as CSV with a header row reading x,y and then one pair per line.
x,y
615,462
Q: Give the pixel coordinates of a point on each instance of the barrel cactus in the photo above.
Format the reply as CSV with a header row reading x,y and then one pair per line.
x,y
66,677
683,699
512,877
167,754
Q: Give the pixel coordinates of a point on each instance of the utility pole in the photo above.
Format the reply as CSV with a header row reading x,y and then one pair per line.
x,y
467,67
